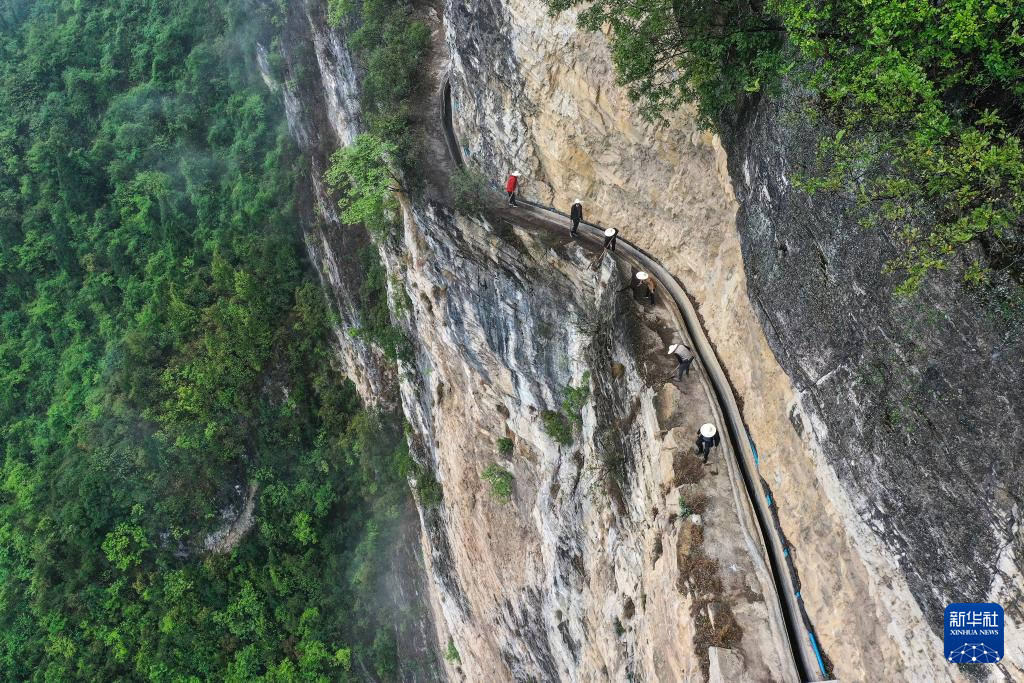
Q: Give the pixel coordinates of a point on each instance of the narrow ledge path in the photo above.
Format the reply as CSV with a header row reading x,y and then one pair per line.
x,y
764,535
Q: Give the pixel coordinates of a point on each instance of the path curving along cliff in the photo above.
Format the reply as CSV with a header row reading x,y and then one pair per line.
x,y
755,506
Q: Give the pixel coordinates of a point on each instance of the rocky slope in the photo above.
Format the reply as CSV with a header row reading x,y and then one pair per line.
x,y
538,587
553,110
917,405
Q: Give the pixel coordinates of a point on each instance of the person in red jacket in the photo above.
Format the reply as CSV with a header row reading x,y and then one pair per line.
x,y
511,185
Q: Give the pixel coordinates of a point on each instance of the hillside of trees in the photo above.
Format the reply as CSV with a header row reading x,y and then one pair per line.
x,y
162,347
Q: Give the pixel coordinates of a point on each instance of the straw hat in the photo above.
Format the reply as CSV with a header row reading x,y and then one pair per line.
x,y
672,349
642,275
708,430
610,232
578,201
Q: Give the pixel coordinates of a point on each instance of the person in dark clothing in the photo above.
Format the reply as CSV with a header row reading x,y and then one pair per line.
x,y
646,284
511,185
707,438
575,215
684,359
611,235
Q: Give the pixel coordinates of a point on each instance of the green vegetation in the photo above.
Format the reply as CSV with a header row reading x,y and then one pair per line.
x,y
684,509
927,102
574,399
374,313
363,174
668,53
391,46
561,425
500,480
452,654
469,191
924,100
161,342
428,487
694,504
557,427
505,446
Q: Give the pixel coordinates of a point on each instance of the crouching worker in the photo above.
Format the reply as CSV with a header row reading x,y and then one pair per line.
x,y
646,284
684,359
611,236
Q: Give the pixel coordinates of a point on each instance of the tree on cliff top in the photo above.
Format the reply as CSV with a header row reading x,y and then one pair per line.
x,y
926,101
363,175
670,52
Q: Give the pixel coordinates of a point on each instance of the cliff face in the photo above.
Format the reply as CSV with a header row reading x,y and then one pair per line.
x,y
579,576
532,93
321,98
916,404
589,576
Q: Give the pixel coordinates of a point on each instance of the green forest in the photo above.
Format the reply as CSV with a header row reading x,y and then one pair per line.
x,y
163,346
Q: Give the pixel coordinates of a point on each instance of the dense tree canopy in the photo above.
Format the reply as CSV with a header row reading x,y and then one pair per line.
x,y
162,347
670,52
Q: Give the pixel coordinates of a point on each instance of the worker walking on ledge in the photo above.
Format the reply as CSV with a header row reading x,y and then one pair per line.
x,y
575,215
610,237
707,439
684,359
511,185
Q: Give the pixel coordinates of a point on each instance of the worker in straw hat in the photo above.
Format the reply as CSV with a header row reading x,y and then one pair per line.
x,y
684,359
610,237
646,284
575,215
707,438
511,185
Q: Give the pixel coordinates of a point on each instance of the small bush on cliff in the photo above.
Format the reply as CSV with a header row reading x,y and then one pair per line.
x,y
695,504
505,446
428,488
452,653
684,509
574,400
469,191
500,480
561,425
557,427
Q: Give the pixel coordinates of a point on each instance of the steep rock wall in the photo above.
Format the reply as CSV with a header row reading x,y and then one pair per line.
x,y
534,94
320,93
918,405
319,87
579,578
